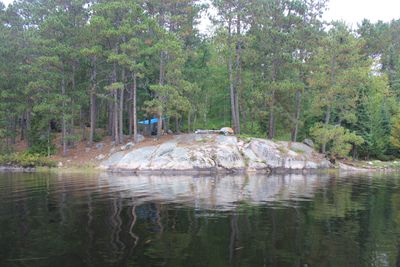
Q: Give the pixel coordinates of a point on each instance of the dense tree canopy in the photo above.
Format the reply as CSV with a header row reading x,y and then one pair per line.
x,y
271,68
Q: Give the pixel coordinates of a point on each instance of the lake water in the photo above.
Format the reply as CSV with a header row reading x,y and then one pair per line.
x,y
279,220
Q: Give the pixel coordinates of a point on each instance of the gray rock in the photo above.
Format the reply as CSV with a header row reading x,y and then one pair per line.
x,y
267,151
226,140
300,148
229,158
99,146
253,163
309,142
138,159
226,131
199,131
139,138
127,146
345,167
100,157
194,152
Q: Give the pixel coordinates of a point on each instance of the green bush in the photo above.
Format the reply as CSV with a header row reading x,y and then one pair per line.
x,y
42,148
26,160
339,140
97,137
386,157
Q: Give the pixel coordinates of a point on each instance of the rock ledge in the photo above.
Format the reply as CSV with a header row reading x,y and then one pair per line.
x,y
211,153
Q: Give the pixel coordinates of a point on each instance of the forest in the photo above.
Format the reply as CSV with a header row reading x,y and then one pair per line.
x,y
80,70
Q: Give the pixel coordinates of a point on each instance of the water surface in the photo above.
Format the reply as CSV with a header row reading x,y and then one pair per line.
x,y
280,220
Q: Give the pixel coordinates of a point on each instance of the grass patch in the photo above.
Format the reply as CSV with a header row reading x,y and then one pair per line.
x,y
248,136
299,151
283,150
205,140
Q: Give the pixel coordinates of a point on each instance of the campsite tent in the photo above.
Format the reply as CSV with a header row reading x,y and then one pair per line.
x,y
147,122
150,126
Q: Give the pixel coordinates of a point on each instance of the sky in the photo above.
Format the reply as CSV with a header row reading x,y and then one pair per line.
x,y
354,11
351,11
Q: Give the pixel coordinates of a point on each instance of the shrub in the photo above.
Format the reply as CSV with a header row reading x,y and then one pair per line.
x,y
97,137
338,140
42,148
386,157
26,160
395,132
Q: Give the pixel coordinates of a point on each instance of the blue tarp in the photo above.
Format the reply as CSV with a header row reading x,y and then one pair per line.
x,y
147,122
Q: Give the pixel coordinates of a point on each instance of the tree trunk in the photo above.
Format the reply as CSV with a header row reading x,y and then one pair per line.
x,y
115,123
121,112
82,124
135,131
194,121
93,79
130,112
28,126
159,125
48,139
238,74
162,70
70,129
116,113
271,126
111,119
64,121
23,126
161,82
297,116
205,111
177,124
231,81
252,119
327,119
244,119
166,125
329,107
189,122
13,129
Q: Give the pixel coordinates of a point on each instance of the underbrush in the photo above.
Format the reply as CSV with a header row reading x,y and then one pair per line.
x,y
26,160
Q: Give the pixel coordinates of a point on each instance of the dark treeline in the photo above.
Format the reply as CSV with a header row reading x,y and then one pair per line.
x,y
271,68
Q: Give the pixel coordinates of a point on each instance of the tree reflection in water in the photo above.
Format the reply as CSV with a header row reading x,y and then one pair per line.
x,y
279,220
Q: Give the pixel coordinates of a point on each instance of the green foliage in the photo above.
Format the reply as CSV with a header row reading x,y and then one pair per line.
x,y
395,133
42,147
114,86
286,70
40,137
97,137
339,140
26,160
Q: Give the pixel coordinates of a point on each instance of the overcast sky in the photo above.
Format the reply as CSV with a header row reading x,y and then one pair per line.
x,y
353,11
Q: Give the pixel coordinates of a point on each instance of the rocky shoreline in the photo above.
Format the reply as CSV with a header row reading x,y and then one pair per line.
x,y
213,153
209,154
